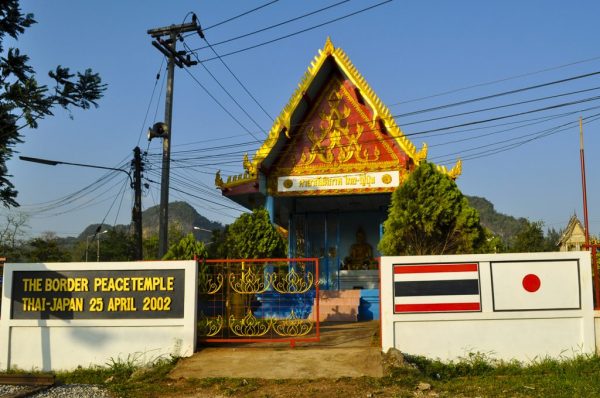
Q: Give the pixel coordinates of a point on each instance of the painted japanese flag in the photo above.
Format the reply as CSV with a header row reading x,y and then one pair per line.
x,y
436,288
536,285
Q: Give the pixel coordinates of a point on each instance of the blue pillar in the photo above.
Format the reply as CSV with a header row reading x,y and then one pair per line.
x,y
270,206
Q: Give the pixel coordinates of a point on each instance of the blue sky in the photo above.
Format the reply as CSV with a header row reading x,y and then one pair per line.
x,y
415,55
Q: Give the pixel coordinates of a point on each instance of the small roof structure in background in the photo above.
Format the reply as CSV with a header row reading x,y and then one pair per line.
x,y
573,237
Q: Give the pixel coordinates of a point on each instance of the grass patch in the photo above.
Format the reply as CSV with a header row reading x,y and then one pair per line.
x,y
125,377
474,375
479,375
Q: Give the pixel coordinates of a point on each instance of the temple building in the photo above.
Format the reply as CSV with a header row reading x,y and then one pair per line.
x,y
573,236
327,169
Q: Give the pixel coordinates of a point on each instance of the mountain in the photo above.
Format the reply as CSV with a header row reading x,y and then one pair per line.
x,y
180,213
500,224
184,215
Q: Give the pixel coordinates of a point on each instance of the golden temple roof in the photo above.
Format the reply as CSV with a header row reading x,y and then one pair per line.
x,y
282,125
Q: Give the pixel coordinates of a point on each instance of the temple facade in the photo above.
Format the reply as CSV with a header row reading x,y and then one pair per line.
x,y
573,236
327,170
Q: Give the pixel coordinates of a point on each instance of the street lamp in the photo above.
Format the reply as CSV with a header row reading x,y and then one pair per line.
x,y
57,162
136,212
87,245
203,230
98,246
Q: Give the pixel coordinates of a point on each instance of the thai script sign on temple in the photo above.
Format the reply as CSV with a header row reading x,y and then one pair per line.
x,y
348,181
114,294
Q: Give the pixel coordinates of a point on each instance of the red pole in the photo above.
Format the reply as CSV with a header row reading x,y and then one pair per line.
x,y
595,275
583,187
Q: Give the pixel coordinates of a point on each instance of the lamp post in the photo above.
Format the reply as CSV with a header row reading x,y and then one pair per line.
x,y
98,245
136,213
87,245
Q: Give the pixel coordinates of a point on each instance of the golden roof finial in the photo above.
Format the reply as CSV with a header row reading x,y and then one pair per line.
x,y
248,166
328,48
456,170
422,154
218,180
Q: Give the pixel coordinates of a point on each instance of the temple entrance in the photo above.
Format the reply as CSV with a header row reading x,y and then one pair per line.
x,y
317,235
344,242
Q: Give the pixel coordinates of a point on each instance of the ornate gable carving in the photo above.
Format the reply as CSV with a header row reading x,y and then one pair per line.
x,y
339,135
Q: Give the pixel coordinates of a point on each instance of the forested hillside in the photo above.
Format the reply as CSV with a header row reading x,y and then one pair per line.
x,y
502,225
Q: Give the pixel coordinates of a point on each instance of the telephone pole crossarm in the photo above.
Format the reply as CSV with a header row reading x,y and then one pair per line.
x,y
167,46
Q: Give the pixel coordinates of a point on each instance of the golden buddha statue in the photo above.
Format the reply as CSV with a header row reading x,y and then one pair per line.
x,y
361,253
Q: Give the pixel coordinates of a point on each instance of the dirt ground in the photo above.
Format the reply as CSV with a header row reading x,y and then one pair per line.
x,y
345,350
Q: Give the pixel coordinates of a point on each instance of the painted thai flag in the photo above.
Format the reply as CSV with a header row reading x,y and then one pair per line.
x,y
436,288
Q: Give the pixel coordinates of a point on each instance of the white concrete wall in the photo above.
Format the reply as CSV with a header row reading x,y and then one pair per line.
x,y
556,320
62,344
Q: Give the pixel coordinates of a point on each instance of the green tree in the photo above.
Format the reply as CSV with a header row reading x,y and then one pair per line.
x,y
552,238
187,248
253,236
530,239
150,244
150,247
12,236
493,243
429,215
23,101
217,247
116,245
46,249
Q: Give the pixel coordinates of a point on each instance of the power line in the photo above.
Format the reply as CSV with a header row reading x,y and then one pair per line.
x,y
196,196
238,80
225,90
495,81
206,149
240,15
496,95
93,201
72,197
187,144
150,102
504,116
502,106
273,26
473,100
545,119
431,109
445,128
220,105
298,32
536,136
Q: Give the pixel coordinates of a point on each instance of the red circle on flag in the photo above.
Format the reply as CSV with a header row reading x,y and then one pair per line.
x,y
531,283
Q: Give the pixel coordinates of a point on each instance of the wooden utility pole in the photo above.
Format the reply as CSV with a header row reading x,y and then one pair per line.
x,y
165,40
136,212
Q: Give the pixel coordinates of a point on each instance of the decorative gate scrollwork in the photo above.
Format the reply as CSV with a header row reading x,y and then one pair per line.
x,y
292,283
252,300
